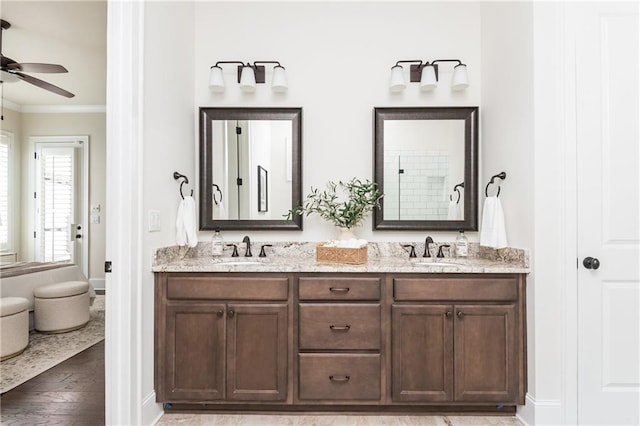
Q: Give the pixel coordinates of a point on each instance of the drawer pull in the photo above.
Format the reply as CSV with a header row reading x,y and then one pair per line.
x,y
339,379
340,327
339,289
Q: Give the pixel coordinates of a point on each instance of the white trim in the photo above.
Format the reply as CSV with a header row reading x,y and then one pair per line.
x,y
569,237
63,109
11,105
151,410
54,109
540,412
84,202
123,325
98,283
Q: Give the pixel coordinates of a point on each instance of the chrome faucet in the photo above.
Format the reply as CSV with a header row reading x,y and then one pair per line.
x,y
247,241
427,242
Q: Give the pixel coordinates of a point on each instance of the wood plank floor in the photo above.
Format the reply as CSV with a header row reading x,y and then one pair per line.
x,y
71,393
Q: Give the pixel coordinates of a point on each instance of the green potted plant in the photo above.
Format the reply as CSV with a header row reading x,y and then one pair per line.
x,y
346,209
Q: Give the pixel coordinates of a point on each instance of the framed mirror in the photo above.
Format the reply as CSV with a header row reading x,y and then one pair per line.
x,y
250,168
426,164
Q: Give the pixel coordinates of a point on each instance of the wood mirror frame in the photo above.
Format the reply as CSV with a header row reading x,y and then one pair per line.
x,y
470,117
207,116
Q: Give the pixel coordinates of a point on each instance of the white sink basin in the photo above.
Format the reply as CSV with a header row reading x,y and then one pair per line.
x,y
440,264
238,262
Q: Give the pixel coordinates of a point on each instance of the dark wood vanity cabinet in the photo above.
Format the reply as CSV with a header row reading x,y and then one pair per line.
x,y
458,339
391,341
224,338
339,339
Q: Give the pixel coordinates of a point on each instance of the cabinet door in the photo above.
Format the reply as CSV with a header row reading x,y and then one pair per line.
x,y
257,352
422,357
485,353
195,352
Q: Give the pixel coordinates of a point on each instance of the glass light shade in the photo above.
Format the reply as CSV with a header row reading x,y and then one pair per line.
x,y
428,80
279,82
247,79
460,79
216,79
396,82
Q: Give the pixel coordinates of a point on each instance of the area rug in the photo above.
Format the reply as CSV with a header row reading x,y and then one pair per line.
x,y
48,350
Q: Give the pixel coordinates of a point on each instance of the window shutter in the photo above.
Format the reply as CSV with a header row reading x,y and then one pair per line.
x,y
56,205
4,193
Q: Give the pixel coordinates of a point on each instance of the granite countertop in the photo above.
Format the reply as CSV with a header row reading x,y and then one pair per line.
x,y
300,257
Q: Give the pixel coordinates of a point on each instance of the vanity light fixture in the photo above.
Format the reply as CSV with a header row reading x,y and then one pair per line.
x,y
426,73
248,76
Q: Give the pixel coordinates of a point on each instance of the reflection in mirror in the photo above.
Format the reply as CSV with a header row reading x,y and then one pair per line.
x,y
424,160
250,167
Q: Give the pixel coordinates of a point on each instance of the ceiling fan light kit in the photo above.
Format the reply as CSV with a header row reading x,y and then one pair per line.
x,y
13,71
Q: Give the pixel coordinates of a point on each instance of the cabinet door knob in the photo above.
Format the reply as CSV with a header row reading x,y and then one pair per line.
x,y
460,314
339,379
230,314
448,314
340,327
220,313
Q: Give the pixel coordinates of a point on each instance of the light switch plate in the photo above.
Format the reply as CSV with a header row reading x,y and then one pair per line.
x,y
154,220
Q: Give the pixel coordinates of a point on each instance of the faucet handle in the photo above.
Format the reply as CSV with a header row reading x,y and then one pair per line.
x,y
262,252
412,253
440,253
235,249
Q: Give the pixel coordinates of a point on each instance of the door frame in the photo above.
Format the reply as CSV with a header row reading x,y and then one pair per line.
x,y
63,141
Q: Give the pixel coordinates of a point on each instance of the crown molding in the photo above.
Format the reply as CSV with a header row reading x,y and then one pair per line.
x,y
63,109
11,105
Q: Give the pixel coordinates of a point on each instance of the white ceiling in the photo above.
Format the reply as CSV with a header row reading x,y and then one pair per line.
x,y
69,33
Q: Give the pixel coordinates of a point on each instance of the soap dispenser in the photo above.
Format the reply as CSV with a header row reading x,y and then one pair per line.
x,y
217,245
462,244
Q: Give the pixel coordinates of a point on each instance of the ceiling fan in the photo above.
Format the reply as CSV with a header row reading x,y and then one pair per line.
x,y
12,70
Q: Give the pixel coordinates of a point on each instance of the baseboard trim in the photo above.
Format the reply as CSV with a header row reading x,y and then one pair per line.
x,y
98,283
540,411
151,410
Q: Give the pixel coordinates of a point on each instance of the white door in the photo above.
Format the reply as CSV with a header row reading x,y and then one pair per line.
x,y
59,198
607,115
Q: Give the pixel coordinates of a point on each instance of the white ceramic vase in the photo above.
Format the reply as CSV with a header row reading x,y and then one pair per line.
x,y
346,233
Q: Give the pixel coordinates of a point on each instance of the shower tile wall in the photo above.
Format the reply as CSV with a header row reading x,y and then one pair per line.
x,y
417,181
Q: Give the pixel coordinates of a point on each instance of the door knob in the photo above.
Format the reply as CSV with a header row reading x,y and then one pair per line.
x,y
591,263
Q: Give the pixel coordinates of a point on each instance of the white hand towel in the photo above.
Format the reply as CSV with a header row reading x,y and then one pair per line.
x,y
493,233
454,211
221,213
186,231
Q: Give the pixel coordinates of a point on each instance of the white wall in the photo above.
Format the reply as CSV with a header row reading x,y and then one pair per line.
x,y
338,58
169,132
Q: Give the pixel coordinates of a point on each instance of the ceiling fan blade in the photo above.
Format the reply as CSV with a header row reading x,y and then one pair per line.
x,y
35,67
7,61
44,85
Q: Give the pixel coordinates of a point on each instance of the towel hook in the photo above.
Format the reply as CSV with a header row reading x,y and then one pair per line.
x,y
219,191
457,189
502,176
177,176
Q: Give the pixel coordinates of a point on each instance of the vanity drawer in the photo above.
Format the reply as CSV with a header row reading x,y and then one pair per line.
x,y
227,288
345,377
339,326
495,288
339,288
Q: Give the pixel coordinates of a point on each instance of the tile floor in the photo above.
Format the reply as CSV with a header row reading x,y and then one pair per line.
x,y
350,420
